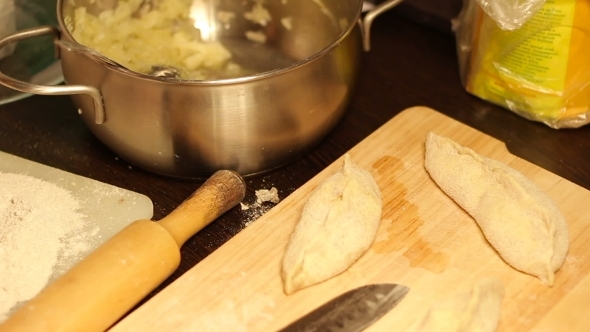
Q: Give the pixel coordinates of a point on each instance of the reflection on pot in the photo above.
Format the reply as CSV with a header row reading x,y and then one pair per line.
x,y
301,76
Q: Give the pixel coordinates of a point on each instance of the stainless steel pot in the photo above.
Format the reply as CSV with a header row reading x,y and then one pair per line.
x,y
250,124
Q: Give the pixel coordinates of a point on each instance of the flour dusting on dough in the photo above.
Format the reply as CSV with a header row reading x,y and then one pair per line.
x,y
338,224
520,221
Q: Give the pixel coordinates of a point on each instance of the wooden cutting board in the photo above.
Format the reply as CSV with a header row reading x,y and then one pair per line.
x,y
425,241
107,208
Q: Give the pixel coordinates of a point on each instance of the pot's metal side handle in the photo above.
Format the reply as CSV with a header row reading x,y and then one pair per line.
x,y
370,16
99,112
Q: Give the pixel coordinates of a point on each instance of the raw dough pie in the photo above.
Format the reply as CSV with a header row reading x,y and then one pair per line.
x,y
476,310
338,224
520,221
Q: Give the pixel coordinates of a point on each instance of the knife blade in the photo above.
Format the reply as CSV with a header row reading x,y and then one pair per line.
x,y
352,311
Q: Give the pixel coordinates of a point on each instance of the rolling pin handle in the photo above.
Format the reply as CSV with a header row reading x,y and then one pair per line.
x,y
221,192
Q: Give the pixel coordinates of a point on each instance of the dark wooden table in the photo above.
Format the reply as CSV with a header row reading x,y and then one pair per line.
x,y
409,65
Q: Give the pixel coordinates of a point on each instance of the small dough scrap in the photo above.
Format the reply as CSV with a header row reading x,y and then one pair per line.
x,y
477,310
520,221
338,224
266,195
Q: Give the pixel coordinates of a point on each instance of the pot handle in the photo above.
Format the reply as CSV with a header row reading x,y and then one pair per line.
x,y
99,113
367,20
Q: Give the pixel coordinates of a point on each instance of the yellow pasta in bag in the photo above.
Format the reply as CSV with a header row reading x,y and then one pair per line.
x,y
540,70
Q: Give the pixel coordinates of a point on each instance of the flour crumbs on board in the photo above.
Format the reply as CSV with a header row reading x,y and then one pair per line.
x,y
41,228
258,208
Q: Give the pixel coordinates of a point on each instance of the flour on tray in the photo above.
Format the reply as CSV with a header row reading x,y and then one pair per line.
x,y
40,228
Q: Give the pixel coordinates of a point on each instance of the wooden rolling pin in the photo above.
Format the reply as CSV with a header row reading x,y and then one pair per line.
x,y
105,285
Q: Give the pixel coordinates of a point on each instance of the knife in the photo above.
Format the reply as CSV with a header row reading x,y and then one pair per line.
x,y
352,311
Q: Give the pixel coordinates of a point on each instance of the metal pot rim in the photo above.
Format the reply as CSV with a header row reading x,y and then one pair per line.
x,y
58,32
225,81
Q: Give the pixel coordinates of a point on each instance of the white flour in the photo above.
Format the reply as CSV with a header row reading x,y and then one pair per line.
x,y
40,229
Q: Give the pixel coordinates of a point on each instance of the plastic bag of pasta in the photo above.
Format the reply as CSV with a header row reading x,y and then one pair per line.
x,y
529,56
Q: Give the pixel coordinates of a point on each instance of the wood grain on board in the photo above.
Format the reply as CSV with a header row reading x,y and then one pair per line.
x,y
425,241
